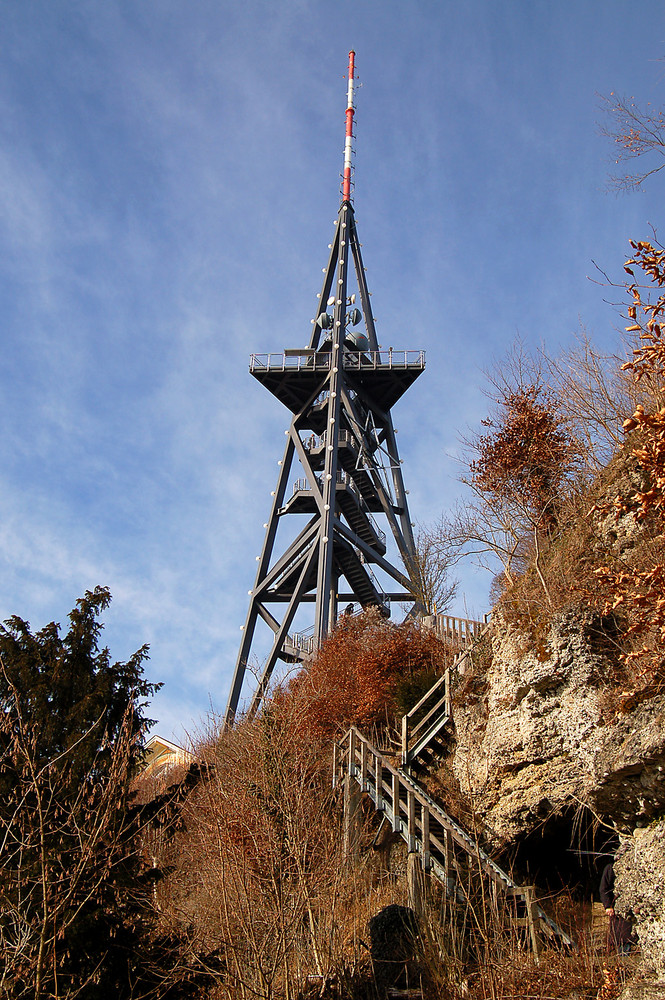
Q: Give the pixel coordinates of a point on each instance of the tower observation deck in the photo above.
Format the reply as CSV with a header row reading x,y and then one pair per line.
x,y
340,471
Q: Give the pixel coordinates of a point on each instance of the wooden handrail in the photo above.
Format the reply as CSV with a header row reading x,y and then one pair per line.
x,y
440,713
410,810
464,630
437,684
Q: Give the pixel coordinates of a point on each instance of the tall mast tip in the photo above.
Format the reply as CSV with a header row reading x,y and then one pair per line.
x,y
348,152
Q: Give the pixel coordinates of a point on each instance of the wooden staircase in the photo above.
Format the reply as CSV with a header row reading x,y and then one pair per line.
x,y
442,845
444,848
423,739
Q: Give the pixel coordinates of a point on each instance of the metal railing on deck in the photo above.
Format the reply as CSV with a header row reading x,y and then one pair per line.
x,y
314,441
306,359
290,361
304,642
383,359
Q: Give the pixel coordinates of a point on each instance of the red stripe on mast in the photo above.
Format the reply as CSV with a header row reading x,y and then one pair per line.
x,y
346,184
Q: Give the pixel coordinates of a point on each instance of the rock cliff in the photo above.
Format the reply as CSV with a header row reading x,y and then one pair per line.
x,y
541,736
548,759
640,883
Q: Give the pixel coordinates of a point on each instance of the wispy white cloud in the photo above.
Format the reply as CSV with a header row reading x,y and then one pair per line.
x,y
168,181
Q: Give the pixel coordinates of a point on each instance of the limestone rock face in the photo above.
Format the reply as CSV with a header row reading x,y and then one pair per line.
x,y
640,876
536,735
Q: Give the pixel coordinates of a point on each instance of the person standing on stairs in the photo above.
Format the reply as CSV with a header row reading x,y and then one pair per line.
x,y
620,935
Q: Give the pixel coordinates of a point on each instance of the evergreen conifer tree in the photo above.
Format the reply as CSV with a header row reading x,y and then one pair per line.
x,y
74,888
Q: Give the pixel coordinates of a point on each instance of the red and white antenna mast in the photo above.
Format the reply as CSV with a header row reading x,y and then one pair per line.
x,y
348,151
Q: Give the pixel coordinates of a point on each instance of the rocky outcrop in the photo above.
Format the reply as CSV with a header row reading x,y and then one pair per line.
x,y
540,738
537,734
640,880
639,989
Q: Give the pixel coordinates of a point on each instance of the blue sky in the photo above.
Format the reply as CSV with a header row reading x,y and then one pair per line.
x,y
169,177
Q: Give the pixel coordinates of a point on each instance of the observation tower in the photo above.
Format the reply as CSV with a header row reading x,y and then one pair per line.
x,y
340,474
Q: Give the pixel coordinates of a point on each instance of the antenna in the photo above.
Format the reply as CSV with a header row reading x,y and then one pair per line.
x,y
346,185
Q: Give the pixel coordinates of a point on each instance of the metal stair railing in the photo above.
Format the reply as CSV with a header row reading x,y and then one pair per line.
x,y
383,597
302,644
422,823
290,566
303,485
345,478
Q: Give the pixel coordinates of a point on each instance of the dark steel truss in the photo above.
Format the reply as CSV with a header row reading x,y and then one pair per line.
x,y
341,440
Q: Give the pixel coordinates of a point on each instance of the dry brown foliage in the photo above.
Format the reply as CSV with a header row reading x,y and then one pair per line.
x,y
542,475
259,871
355,679
260,874
637,589
525,457
519,474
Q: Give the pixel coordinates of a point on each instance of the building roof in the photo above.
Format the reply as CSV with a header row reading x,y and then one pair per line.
x,y
161,756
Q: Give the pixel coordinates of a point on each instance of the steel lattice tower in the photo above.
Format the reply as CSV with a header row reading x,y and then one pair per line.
x,y
340,390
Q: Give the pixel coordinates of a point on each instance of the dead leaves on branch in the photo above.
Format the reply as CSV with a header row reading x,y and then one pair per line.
x,y
636,590
520,474
356,676
526,456
635,132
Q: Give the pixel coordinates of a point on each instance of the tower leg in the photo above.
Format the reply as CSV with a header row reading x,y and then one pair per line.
x,y
332,615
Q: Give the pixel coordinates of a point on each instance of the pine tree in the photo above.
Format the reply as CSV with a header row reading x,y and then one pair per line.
x,y
73,885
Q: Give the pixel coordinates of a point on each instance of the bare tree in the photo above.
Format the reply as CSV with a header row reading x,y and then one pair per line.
x,y
635,133
261,855
487,532
431,584
594,394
